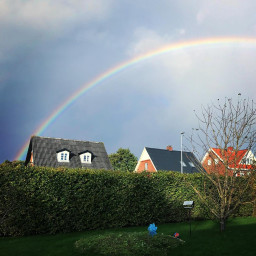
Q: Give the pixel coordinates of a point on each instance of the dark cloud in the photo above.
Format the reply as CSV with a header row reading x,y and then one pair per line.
x,y
49,50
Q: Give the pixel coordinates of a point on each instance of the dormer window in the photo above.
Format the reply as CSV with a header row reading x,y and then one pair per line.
x,y
63,156
86,158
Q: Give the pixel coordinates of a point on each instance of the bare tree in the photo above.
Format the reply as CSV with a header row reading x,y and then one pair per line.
x,y
224,140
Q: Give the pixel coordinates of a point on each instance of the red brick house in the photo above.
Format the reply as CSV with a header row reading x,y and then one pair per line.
x,y
235,162
153,160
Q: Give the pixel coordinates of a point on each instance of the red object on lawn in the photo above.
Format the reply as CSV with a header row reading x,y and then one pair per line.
x,y
176,235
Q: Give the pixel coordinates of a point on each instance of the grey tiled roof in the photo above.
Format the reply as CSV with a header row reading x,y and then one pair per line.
x,y
45,153
166,160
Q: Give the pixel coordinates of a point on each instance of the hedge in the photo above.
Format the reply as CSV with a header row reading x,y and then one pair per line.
x,y
41,200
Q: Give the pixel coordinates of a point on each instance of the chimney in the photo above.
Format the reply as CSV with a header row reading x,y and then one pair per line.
x,y
169,148
230,149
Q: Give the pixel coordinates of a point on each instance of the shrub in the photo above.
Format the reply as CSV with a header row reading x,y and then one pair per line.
x,y
41,200
125,244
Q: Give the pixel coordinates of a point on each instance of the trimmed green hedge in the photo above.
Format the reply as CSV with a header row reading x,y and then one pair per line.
x,y
38,200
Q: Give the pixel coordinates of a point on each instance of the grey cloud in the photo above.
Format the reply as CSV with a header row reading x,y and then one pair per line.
x,y
49,15
49,49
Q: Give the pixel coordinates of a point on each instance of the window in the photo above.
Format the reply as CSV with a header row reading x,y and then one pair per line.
x,y
248,161
216,161
209,161
183,164
86,158
63,156
146,166
191,164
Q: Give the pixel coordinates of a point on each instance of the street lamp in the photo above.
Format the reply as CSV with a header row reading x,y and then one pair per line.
x,y
181,163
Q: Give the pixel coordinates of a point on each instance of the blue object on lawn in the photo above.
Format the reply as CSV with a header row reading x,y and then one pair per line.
x,y
176,235
152,229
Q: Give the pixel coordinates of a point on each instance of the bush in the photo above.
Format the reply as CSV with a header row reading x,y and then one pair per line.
x,y
41,200
125,244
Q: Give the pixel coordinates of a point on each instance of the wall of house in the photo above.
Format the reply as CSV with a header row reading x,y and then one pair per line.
x,y
31,162
214,167
144,157
141,166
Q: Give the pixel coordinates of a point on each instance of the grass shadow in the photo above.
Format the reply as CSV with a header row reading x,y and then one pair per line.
x,y
205,240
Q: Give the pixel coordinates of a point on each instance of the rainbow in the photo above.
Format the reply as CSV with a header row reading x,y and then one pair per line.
x,y
223,41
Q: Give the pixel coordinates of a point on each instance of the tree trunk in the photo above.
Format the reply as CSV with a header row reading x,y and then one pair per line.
x,y
222,225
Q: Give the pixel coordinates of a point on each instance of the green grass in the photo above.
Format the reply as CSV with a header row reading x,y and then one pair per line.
x,y
238,239
128,244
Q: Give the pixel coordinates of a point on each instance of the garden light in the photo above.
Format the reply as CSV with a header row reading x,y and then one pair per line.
x,y
189,205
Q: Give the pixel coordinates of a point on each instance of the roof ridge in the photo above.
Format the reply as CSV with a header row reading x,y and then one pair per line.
x,y
170,150
65,139
233,150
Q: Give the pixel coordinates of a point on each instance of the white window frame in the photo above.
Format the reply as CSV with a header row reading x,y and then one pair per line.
x,y
63,156
86,158
216,161
209,162
248,161
146,166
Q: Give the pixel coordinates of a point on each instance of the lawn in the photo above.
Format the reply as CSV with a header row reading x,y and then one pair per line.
x,y
238,239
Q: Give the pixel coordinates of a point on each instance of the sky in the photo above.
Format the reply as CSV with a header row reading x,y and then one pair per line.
x,y
51,49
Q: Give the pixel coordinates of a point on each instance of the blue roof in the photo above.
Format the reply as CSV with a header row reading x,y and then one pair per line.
x,y
165,160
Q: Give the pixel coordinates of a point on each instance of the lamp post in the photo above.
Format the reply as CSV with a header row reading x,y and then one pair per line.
x,y
181,163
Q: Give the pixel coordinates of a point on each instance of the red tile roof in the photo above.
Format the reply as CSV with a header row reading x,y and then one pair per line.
x,y
232,157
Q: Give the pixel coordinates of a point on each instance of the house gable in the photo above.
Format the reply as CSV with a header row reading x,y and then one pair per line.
x,y
31,161
248,158
212,162
145,163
